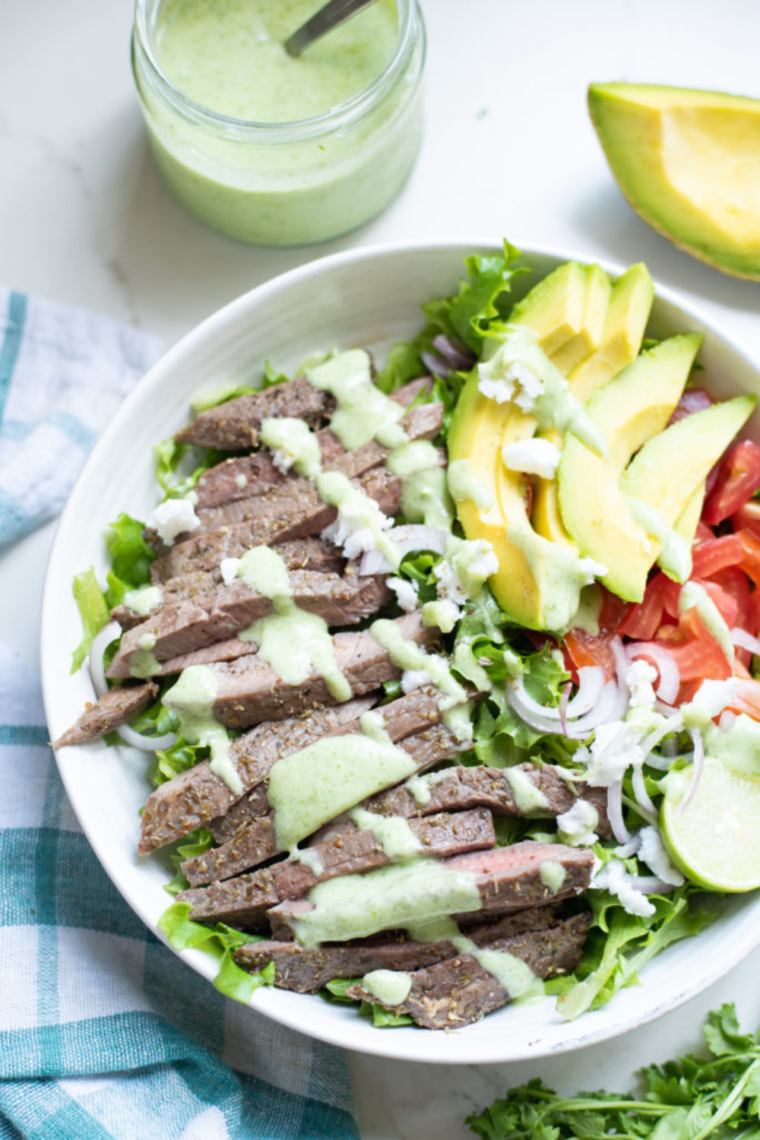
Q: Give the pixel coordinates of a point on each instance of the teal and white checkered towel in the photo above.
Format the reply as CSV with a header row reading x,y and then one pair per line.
x,y
104,1033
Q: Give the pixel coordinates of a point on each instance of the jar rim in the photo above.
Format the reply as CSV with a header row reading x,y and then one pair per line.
x,y
344,115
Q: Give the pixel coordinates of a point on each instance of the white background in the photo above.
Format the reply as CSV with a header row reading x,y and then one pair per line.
x,y
508,151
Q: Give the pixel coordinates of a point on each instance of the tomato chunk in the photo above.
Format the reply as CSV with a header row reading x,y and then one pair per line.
x,y
738,479
716,554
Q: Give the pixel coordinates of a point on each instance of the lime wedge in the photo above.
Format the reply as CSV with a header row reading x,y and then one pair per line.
x,y
715,840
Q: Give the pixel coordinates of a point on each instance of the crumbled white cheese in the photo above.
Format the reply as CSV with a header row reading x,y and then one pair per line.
x,y
144,600
614,748
532,457
241,480
355,529
592,569
653,853
406,593
640,679
711,699
467,565
576,826
449,586
443,613
173,517
412,679
515,382
614,878
228,568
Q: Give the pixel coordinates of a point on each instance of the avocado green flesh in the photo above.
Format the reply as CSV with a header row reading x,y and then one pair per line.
x,y
631,410
688,162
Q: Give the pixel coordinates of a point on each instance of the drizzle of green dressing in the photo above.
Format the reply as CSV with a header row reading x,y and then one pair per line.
x,y
407,655
529,799
675,556
390,898
694,596
144,600
420,786
554,409
552,875
390,987
442,613
561,573
311,787
463,485
738,747
587,614
295,643
418,455
392,832
362,512
297,442
310,858
363,412
142,661
192,699
425,498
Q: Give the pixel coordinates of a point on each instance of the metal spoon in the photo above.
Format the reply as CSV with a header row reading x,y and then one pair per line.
x,y
332,15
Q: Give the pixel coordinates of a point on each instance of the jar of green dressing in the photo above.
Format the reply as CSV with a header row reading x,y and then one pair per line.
x,y
273,150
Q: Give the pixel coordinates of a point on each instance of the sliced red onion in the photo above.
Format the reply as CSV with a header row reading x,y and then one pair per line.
x,y
669,674
147,743
698,762
590,685
563,703
414,536
435,364
615,812
745,640
693,400
651,885
99,645
649,743
630,848
457,354
639,789
727,720
622,665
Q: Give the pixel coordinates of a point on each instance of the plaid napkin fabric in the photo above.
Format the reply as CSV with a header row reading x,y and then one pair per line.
x,y
104,1033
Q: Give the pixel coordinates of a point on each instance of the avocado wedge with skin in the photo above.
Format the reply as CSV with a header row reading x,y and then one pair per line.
x,y
688,161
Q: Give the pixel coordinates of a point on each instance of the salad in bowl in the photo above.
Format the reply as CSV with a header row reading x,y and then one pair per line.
x,y
444,662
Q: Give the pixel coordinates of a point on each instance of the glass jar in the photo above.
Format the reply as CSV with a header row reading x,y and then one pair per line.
x,y
293,183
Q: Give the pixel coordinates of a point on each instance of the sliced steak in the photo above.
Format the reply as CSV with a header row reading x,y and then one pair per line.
x,y
250,475
195,797
228,610
228,650
458,991
281,521
307,969
299,554
234,426
507,879
249,691
457,788
113,709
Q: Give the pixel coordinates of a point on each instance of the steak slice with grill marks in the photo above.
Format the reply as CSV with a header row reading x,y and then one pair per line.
x,y
307,969
113,709
244,901
249,691
250,475
455,992
234,426
198,796
280,519
299,554
508,878
227,610
455,789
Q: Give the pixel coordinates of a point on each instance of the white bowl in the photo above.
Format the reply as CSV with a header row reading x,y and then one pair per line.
x,y
367,297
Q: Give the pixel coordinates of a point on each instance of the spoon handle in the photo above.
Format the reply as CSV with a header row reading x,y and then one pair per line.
x,y
334,13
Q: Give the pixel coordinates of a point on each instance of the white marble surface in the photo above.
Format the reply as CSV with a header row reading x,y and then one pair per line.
x,y
508,150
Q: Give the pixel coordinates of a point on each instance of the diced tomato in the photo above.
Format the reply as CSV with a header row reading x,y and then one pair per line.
x,y
696,653
747,516
716,554
582,649
738,479
733,581
644,618
727,606
750,559
704,534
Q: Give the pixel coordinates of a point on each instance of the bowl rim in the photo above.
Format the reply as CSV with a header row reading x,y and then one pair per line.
x,y
401,1045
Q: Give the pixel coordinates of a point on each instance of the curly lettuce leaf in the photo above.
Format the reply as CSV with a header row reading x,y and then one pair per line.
x,y
169,762
219,941
192,845
337,991
130,557
480,299
179,466
93,610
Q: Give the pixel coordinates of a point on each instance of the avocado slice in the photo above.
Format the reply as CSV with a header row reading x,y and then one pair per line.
x,y
591,331
555,308
631,409
688,162
626,320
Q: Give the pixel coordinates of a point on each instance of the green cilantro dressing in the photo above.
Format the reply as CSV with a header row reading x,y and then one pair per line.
x,y
363,412
192,699
390,987
442,613
310,858
392,832
694,596
553,408
675,556
425,498
295,643
463,485
738,747
144,600
420,786
142,661
473,561
529,799
407,655
409,458
295,441
390,898
587,614
362,512
552,875
558,570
